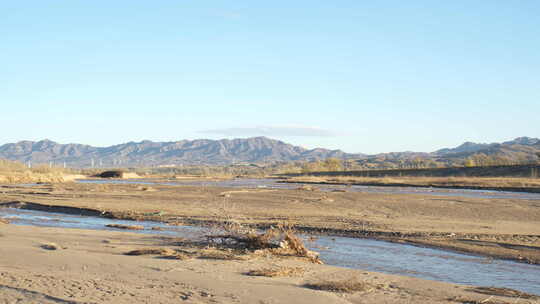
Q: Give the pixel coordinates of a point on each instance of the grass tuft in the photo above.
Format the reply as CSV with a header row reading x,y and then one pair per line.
x,y
152,251
277,272
216,254
346,286
127,227
504,292
178,256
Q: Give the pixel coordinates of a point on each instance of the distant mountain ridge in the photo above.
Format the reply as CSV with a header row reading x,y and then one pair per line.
x,y
233,151
148,153
517,151
520,144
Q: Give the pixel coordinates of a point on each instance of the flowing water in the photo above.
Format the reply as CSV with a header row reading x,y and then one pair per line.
x,y
275,184
371,255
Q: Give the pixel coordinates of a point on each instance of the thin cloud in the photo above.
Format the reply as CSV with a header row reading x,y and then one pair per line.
x,y
273,131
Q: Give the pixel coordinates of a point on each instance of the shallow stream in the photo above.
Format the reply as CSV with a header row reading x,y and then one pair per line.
x,y
370,255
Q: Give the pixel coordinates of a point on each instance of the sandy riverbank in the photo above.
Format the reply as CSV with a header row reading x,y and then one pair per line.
x,y
502,228
90,267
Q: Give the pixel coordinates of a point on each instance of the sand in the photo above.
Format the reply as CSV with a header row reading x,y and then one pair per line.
x,y
90,267
500,228
80,266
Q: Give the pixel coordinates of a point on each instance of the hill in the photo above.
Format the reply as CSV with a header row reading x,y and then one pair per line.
x,y
517,151
184,152
260,150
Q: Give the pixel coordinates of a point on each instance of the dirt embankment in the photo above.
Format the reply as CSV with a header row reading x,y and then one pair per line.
x,y
531,185
502,228
520,171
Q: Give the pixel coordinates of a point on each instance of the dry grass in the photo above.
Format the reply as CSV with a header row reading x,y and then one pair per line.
x,y
281,240
217,254
346,286
471,301
277,272
126,227
152,251
164,253
248,240
516,296
489,300
16,172
504,292
30,177
511,182
178,256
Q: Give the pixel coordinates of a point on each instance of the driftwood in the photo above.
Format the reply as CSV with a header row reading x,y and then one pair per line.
x,y
249,241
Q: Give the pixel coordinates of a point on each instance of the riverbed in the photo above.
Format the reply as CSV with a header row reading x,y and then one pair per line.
x,y
371,255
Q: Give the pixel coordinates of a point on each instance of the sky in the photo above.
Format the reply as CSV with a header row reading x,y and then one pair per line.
x,y
361,76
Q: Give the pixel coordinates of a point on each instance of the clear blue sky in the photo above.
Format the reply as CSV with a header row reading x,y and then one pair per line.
x,y
362,76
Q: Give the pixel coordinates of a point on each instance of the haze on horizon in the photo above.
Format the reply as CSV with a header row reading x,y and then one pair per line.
x,y
360,77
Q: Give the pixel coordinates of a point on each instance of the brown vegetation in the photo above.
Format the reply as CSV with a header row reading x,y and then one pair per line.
x,y
17,173
225,254
516,296
467,300
505,292
127,227
277,272
152,251
281,240
392,161
178,256
488,182
164,253
346,286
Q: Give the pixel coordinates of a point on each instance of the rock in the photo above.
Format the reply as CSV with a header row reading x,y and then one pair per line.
x,y
50,246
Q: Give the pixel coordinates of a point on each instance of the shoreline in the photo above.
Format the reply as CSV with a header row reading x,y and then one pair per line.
x,y
421,239
498,228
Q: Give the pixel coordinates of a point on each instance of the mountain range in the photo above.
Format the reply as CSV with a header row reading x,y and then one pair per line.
x,y
148,153
225,152
524,145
